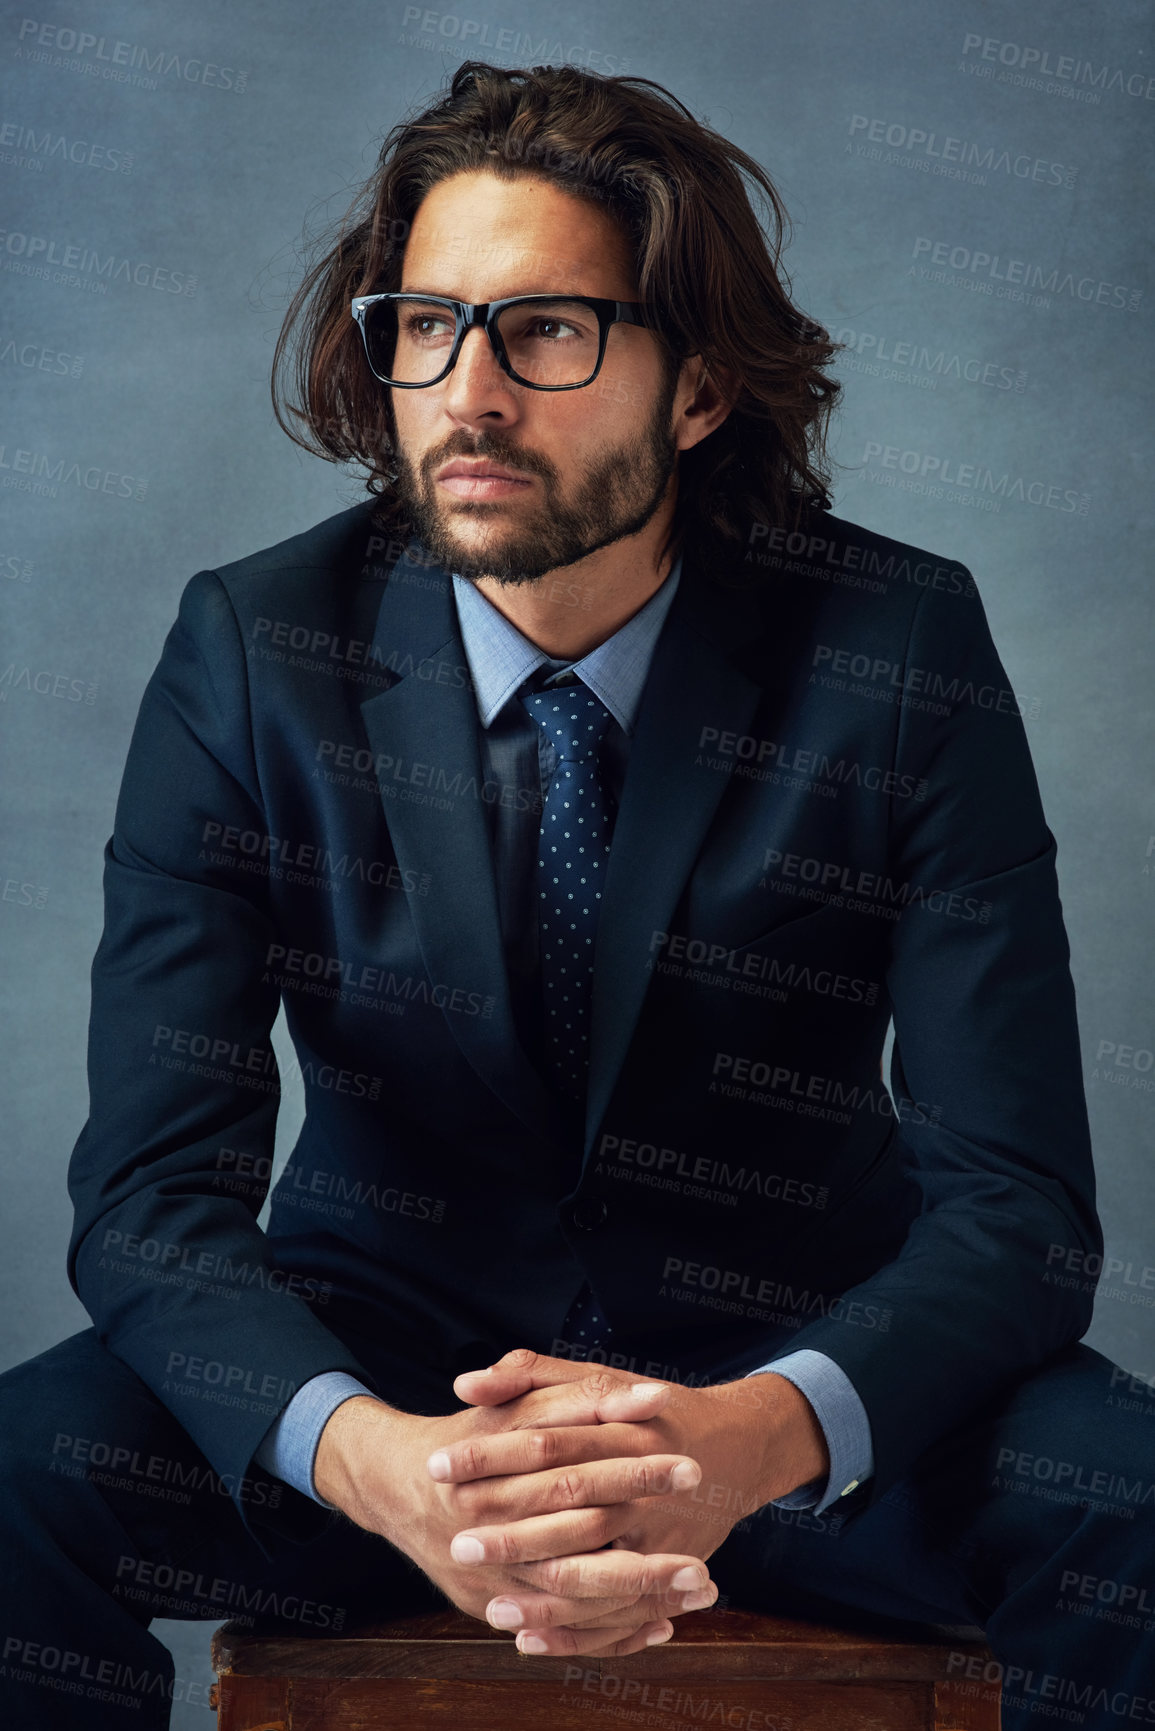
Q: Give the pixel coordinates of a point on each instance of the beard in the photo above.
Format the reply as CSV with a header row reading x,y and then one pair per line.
x,y
613,495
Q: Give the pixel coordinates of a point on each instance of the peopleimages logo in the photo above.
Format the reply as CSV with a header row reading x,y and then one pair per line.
x,y
947,472
905,358
1039,63
25,147
39,255
122,62
43,473
933,151
1037,278
426,26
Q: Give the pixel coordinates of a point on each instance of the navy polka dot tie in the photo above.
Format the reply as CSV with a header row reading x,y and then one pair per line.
x,y
585,1326
574,846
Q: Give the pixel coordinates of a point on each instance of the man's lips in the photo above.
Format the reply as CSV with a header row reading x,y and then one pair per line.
x,y
481,480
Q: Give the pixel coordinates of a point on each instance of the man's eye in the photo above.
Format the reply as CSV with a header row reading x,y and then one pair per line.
x,y
547,329
422,324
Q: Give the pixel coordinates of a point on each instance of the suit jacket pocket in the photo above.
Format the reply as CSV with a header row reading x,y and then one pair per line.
x,y
791,920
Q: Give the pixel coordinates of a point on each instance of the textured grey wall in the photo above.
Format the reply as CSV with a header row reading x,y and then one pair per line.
x,y
967,188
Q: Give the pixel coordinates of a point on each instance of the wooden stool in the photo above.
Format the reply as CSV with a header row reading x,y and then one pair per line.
x,y
730,1668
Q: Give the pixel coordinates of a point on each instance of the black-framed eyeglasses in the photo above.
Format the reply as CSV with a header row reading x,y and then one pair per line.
x,y
548,342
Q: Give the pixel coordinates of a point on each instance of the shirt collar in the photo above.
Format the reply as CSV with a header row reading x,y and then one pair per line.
x,y
501,658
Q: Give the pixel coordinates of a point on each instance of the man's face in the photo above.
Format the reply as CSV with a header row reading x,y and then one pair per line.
x,y
594,464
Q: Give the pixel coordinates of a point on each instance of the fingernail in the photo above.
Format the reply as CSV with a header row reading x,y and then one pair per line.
x,y
657,1635
640,1390
463,1549
531,1644
698,1601
684,1476
439,1465
685,1581
504,1614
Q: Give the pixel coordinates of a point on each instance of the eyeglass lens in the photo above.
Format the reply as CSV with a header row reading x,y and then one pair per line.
x,y
548,343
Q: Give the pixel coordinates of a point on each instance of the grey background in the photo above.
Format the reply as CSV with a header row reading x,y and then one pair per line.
x,y
169,389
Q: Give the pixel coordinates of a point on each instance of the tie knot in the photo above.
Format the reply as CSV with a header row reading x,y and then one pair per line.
x,y
571,717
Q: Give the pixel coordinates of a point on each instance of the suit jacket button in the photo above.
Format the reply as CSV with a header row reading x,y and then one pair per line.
x,y
589,1214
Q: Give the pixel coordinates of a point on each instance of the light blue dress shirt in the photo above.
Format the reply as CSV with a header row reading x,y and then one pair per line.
x,y
500,660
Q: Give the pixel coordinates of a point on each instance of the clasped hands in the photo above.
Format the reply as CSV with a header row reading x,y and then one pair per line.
x,y
572,1504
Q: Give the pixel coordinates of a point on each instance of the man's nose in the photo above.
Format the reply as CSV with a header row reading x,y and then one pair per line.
x,y
478,383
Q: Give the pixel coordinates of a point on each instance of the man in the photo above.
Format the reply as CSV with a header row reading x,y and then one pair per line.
x,y
593,800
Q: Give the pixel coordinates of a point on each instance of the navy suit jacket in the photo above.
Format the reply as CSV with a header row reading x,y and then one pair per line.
x,y
829,819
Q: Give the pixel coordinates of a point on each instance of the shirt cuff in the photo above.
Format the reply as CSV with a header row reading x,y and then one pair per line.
x,y
842,1416
289,1446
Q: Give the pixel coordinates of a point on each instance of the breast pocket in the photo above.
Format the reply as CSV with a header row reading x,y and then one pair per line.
x,y
747,928
800,920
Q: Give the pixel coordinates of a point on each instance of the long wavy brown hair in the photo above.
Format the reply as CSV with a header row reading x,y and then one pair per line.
x,y
710,271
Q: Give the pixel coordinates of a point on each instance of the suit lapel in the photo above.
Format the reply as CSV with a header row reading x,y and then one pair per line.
x,y
428,716
668,800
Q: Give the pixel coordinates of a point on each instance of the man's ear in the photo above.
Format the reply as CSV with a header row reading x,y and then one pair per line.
x,y
726,380
715,389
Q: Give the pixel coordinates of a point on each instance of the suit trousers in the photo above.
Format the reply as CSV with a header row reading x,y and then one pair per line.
x,y
1034,1521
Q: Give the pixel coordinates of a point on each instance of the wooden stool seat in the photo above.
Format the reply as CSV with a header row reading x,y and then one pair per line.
x,y
728,1668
